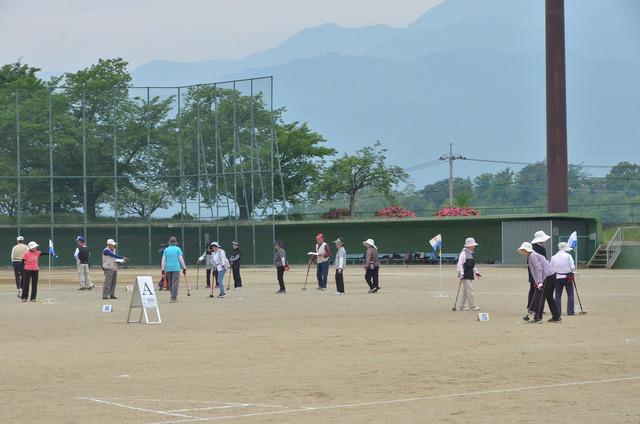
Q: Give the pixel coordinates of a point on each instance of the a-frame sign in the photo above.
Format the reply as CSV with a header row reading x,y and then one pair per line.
x,y
144,298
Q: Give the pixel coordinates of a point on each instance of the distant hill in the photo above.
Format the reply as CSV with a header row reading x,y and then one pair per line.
x,y
467,71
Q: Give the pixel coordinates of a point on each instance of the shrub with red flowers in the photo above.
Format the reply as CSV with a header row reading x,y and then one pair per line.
x,y
336,213
395,212
457,212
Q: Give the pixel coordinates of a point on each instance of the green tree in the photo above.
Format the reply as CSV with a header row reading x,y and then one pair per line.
x,y
350,174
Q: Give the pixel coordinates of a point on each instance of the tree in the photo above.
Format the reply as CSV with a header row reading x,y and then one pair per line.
x,y
350,174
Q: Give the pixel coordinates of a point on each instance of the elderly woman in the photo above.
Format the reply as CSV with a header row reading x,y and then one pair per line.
x,y
544,280
537,244
467,272
31,270
371,266
564,266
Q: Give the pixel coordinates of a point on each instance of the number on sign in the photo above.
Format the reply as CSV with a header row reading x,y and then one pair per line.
x,y
107,308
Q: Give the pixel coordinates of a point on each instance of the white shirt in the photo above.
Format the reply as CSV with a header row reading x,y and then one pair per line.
x,y
562,264
220,259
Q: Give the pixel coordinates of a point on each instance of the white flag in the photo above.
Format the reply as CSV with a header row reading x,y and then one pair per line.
x,y
573,240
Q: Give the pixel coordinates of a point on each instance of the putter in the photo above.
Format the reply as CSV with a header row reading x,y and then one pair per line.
x,y
307,277
582,311
212,287
229,282
186,283
455,303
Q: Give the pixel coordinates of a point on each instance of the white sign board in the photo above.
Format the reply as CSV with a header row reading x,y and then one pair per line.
x,y
144,298
107,308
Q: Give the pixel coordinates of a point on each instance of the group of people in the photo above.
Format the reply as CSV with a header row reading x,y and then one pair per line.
x,y
321,256
25,261
548,279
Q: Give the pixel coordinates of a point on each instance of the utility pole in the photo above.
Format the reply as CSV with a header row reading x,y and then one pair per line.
x,y
450,158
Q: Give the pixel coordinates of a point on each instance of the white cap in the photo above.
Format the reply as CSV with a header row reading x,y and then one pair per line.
x,y
111,242
526,246
470,242
20,238
540,237
369,242
32,245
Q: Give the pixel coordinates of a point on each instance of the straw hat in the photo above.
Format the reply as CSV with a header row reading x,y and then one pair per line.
x,y
369,242
470,242
564,246
525,247
32,245
540,237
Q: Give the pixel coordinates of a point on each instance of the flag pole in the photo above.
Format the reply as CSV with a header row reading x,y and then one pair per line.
x,y
440,293
50,300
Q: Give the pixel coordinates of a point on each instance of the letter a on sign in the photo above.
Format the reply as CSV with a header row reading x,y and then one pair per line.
x,y
144,299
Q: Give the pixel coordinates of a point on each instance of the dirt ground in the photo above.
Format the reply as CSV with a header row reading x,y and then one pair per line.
x,y
399,356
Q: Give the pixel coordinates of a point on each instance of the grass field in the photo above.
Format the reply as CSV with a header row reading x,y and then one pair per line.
x,y
400,356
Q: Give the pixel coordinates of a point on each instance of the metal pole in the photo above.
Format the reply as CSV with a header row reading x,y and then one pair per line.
x,y
273,200
18,163
183,198
236,209
450,175
557,166
149,174
115,162
216,137
199,182
51,212
253,154
84,161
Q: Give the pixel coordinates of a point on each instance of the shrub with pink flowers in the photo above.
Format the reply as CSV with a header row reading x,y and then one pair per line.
x,y
336,213
457,212
395,212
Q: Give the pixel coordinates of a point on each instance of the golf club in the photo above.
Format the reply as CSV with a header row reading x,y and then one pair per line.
x,y
213,285
229,282
186,283
455,303
307,277
582,311
197,274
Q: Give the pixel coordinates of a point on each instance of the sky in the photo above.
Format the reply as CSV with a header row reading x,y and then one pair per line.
x,y
66,35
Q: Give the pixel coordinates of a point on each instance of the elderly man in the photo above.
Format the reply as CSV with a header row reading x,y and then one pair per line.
x,y
82,255
17,254
371,266
172,263
323,253
545,281
110,260
564,266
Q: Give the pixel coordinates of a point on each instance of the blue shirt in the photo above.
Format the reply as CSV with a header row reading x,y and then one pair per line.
x,y
172,257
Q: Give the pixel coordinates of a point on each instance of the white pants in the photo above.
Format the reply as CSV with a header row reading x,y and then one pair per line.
x,y
467,294
85,276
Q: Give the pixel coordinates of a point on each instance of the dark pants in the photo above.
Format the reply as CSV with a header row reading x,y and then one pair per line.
x,y
371,277
532,290
562,283
237,281
322,274
18,269
30,276
339,282
546,293
280,272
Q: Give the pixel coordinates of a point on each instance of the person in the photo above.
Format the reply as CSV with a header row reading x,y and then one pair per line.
x,y
341,261
371,266
539,239
83,255
545,281
221,264
163,277
467,271
172,263
110,261
280,262
235,264
31,270
322,261
17,253
564,266
207,259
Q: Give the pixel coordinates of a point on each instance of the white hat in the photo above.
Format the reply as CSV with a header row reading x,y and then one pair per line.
x,y
370,242
111,242
216,244
526,246
540,237
564,246
20,238
469,242
32,245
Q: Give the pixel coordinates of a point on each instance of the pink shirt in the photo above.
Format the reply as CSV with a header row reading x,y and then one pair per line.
x,y
31,260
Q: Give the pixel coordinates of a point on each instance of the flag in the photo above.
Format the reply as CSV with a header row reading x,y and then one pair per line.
x,y
52,251
573,240
436,243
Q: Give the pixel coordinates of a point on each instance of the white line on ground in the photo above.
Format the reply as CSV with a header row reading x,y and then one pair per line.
x,y
524,293
207,408
106,402
415,399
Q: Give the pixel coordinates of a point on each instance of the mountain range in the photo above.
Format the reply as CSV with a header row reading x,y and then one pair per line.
x,y
468,72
